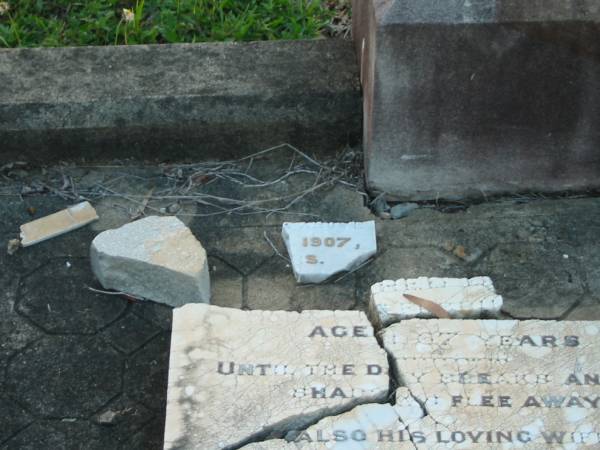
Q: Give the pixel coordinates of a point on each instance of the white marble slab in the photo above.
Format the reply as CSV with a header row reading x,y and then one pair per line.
x,y
366,427
235,375
391,302
500,384
319,250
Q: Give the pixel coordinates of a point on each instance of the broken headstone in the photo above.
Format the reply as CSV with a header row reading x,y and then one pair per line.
x,y
319,250
500,383
367,427
235,376
58,223
392,301
157,258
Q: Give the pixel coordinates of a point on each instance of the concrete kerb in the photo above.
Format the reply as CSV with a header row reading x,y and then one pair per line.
x,y
177,102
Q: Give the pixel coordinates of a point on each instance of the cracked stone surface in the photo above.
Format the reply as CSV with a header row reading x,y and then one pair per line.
x,y
319,250
235,375
495,382
369,427
459,297
156,258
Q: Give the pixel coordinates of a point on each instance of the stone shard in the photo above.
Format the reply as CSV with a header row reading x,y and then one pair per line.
x,y
157,258
237,376
459,297
58,223
500,383
367,427
319,250
445,109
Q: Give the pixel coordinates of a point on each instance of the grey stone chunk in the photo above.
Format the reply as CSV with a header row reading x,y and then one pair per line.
x,y
464,97
319,250
217,100
458,297
156,258
402,210
237,375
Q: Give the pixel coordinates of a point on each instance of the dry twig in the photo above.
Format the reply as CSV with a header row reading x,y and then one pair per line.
x,y
194,184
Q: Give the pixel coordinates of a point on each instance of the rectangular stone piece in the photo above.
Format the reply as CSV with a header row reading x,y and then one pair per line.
x,y
58,223
488,96
458,297
319,250
238,376
501,383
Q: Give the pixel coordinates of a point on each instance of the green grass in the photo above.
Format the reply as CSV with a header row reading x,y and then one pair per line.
x,y
43,23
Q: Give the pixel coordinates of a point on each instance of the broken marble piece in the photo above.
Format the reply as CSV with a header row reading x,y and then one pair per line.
x,y
500,383
58,223
407,407
367,427
235,376
156,258
319,250
392,301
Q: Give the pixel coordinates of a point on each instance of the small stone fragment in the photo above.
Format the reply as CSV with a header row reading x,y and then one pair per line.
x,y
58,223
107,417
392,301
319,250
13,246
402,210
157,258
238,375
174,208
460,251
380,206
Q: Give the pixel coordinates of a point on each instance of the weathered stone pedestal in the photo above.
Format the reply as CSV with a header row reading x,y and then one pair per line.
x,y
469,97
